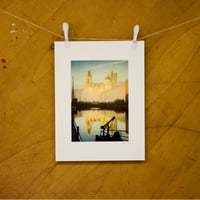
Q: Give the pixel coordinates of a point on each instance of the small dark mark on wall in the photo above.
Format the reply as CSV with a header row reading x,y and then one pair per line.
x,y
192,159
52,46
3,60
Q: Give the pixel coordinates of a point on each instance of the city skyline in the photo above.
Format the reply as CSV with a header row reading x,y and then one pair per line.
x,y
99,70
99,81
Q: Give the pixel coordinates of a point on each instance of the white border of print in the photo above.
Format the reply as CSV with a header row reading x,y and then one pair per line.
x,y
134,149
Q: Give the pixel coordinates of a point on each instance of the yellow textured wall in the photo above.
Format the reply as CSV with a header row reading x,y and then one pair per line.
x,y
27,166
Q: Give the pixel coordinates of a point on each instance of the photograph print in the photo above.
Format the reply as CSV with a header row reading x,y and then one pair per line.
x,y
99,101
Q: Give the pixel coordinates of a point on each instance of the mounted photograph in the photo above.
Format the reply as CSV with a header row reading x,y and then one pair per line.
x,y
99,101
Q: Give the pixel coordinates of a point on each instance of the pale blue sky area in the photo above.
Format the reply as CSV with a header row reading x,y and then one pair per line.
x,y
99,70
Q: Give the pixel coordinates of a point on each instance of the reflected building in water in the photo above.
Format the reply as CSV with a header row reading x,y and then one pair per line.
x,y
92,116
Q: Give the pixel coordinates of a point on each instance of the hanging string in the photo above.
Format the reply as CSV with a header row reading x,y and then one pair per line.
x,y
100,39
171,27
31,23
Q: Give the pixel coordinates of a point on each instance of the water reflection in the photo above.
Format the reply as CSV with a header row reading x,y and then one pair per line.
x,y
90,121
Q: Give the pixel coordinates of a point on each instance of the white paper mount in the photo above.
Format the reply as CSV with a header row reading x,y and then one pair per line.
x,y
106,51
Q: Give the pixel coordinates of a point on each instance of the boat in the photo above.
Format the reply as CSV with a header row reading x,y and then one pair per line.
x,y
105,133
115,137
